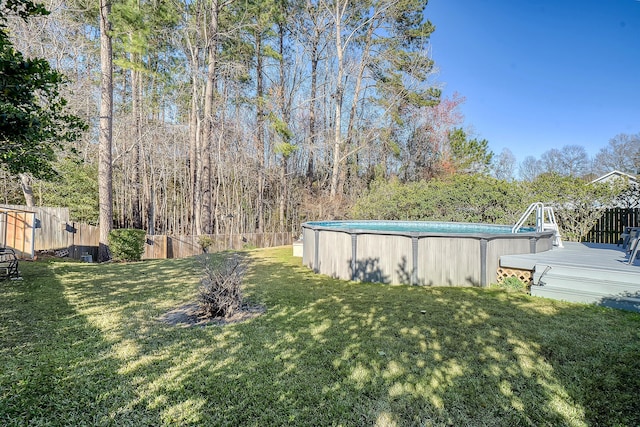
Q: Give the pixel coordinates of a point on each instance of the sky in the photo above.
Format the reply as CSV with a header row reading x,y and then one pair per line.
x,y
540,74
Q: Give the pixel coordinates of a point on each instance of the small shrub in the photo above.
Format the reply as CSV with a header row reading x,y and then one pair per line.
x,y
205,242
513,284
127,244
220,293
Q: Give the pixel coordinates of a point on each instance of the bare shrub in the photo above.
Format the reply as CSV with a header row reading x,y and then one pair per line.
x,y
220,293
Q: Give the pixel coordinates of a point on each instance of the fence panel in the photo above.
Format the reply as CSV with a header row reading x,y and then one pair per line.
x,y
186,246
84,240
17,231
51,232
182,246
155,247
611,224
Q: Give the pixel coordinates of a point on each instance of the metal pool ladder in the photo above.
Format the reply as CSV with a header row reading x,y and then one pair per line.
x,y
545,221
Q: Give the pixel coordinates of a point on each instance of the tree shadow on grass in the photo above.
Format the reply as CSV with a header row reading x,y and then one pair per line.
x,y
57,369
463,356
330,352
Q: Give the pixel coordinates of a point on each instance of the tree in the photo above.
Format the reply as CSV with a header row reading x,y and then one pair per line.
x,y
34,122
105,171
468,155
529,168
76,188
578,204
461,197
141,53
229,123
622,154
390,40
310,24
264,14
504,165
426,147
570,160
575,160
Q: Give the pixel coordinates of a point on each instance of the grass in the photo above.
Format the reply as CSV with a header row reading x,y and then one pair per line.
x,y
80,344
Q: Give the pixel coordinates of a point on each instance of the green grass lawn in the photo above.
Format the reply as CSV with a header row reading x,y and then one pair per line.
x,y
81,344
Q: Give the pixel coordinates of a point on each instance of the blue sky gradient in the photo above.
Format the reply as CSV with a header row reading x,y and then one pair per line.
x,y
541,74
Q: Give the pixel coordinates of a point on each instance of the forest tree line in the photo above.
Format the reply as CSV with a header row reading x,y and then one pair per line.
x,y
256,115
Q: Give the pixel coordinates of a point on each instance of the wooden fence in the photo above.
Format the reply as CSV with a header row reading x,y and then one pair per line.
x,y
160,246
53,231
17,230
612,223
56,233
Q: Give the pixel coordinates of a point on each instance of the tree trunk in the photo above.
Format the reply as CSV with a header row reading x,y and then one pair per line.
x,y
205,152
105,173
337,132
312,111
27,190
137,153
350,171
260,134
194,143
285,111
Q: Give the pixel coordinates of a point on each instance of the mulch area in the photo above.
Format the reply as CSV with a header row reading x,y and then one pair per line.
x,y
189,315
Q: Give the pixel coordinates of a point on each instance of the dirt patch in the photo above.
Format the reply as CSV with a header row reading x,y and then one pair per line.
x,y
189,315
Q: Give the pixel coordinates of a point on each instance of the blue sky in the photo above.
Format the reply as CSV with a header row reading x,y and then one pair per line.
x,y
541,74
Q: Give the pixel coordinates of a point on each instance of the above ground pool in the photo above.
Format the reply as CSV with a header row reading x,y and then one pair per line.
x,y
415,252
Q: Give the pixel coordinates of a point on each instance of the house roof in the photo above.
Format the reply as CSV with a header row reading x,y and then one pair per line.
x,y
615,175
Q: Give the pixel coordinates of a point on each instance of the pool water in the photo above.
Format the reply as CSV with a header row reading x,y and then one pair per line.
x,y
420,227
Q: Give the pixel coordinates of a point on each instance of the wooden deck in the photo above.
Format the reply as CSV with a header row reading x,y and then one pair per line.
x,y
583,272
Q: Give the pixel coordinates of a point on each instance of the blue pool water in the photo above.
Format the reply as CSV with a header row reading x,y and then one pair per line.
x,y
420,227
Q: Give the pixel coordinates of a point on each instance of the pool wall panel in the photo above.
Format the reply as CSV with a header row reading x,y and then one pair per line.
x,y
308,247
383,258
498,247
543,245
448,261
334,251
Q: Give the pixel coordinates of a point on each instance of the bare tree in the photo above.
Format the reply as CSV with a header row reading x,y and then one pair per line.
x,y
622,154
529,168
570,160
105,173
504,165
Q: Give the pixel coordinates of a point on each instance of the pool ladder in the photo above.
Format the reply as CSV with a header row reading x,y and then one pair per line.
x,y
545,221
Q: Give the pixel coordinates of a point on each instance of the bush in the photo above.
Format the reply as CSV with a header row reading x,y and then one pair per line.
x,y
220,293
205,242
127,244
513,284
461,198
578,204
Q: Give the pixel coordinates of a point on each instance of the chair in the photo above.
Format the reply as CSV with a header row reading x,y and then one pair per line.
x,y
633,245
628,235
9,264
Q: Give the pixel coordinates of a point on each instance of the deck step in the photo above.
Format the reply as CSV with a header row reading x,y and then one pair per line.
x,y
623,302
542,270
588,284
586,273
